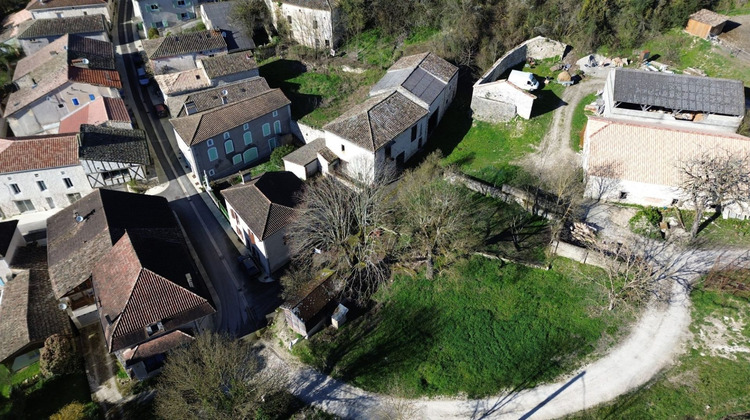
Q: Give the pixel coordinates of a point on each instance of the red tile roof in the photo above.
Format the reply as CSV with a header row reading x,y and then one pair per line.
x,y
98,112
38,152
109,78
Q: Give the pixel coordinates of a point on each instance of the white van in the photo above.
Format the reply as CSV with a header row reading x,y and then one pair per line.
x,y
523,79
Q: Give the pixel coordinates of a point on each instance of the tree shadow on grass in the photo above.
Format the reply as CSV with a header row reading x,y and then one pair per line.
x,y
278,72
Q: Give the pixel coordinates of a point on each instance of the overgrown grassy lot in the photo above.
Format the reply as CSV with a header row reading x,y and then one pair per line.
x,y
706,383
43,397
480,327
578,122
715,230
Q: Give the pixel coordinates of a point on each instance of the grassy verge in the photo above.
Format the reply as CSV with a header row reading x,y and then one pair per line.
x,y
321,95
45,396
438,338
9,380
578,122
716,231
705,384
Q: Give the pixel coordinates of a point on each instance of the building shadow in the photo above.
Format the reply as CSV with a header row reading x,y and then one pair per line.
x,y
730,25
278,75
546,101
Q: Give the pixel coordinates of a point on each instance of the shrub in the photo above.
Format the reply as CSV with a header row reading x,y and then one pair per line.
x,y
278,154
153,33
646,222
58,357
200,26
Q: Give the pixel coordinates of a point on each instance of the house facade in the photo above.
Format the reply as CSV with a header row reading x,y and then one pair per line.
x,y
113,156
233,137
40,173
42,32
164,14
177,53
50,9
312,23
260,212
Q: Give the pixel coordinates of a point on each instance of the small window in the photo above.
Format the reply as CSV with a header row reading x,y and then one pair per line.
x,y
180,2
154,7
50,202
266,129
289,19
272,143
213,154
414,133
276,113
75,101
42,185
210,142
277,127
328,43
675,201
236,159
343,149
68,182
226,136
245,126
16,189
60,105
24,205
228,146
154,328
315,24
72,198
623,195
212,172
91,96
248,138
85,13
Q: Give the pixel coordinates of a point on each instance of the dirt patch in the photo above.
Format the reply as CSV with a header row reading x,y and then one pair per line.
x,y
723,337
737,33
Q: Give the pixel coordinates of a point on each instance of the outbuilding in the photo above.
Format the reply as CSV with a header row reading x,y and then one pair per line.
x,y
705,23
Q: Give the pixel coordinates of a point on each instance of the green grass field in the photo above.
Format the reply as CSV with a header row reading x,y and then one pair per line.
x,y
578,122
8,380
703,385
482,327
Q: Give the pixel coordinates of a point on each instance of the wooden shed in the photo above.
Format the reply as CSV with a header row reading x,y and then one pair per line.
x,y
705,22
311,308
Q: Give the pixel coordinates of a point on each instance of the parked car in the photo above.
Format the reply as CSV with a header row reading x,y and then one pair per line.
x,y
249,265
143,78
161,110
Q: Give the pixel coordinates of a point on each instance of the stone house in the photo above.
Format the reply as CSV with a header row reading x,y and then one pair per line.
x,y
229,138
260,212
42,32
177,53
312,23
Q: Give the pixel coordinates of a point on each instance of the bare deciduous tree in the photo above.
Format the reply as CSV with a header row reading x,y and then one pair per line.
x,y
251,15
718,178
343,226
213,377
434,214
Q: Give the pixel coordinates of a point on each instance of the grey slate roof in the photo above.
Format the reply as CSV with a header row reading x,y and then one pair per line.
x,y
424,75
679,92
377,121
7,231
113,144
211,98
306,153
266,204
218,13
28,312
41,28
223,65
101,54
196,128
175,45
74,248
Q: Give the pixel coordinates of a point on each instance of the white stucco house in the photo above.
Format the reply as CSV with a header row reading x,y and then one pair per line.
x,y
313,23
260,212
49,9
177,53
389,128
40,173
164,14
41,32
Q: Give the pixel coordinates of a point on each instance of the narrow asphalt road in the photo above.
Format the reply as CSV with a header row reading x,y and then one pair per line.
x,y
243,301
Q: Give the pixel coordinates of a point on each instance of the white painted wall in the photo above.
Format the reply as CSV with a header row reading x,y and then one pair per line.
x,y
296,169
503,93
56,189
303,24
43,115
187,152
94,9
168,13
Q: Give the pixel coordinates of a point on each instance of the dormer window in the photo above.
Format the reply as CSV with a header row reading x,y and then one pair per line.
x,y
154,328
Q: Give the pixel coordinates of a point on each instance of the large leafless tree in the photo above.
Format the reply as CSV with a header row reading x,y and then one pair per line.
x,y
719,178
341,227
435,215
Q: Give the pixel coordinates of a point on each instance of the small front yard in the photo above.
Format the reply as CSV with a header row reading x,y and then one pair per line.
x,y
479,328
42,397
710,381
715,230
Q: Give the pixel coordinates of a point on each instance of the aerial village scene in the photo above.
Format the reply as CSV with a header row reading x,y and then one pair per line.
x,y
375,209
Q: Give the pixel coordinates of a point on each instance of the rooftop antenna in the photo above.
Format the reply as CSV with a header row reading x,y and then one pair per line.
x,y
79,218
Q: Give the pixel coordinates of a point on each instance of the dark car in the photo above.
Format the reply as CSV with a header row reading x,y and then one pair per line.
x,y
249,265
161,110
